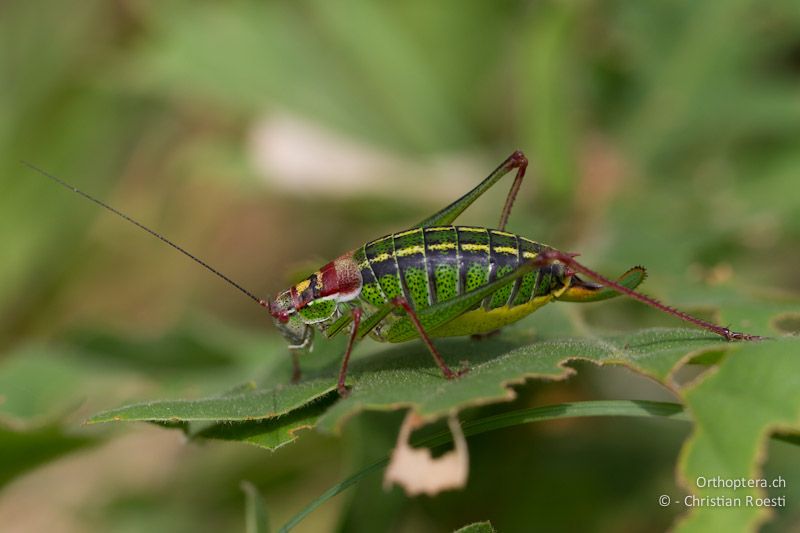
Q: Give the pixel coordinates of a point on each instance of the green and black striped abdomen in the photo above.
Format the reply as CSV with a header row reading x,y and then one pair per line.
x,y
434,264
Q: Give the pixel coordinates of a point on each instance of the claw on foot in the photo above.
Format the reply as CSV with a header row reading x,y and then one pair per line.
x,y
737,336
457,374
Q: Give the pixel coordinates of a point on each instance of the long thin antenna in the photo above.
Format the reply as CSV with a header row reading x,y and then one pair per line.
x,y
148,230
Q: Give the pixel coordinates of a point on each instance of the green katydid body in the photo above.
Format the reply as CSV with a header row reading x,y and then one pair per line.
x,y
436,264
435,280
431,266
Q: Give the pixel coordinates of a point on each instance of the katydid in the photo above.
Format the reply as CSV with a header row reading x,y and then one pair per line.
x,y
435,279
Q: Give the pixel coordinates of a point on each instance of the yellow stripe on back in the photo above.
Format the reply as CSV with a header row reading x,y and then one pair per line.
x,y
470,247
505,250
442,246
408,232
411,250
382,257
473,230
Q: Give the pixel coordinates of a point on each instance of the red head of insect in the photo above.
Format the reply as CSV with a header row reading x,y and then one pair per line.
x,y
287,320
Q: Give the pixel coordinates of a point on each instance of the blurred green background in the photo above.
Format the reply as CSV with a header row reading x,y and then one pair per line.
x,y
270,137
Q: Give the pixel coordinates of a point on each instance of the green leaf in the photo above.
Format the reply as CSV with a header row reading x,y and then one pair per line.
x,y
251,405
239,415
755,392
477,527
392,381
269,433
405,376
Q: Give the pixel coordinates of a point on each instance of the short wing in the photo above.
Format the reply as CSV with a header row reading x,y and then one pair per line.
x,y
585,291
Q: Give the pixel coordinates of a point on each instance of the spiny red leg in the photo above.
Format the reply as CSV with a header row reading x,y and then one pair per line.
x,y
520,162
343,392
448,373
550,256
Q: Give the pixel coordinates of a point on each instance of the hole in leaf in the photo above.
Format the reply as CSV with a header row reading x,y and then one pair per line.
x,y
788,323
708,358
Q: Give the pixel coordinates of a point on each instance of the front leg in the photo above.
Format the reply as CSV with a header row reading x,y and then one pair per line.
x,y
356,314
296,350
296,372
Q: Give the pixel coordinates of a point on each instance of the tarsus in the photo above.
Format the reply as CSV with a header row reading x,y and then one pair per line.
x,y
148,230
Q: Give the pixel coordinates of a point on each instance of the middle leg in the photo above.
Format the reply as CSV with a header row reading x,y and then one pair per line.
x,y
343,392
446,370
